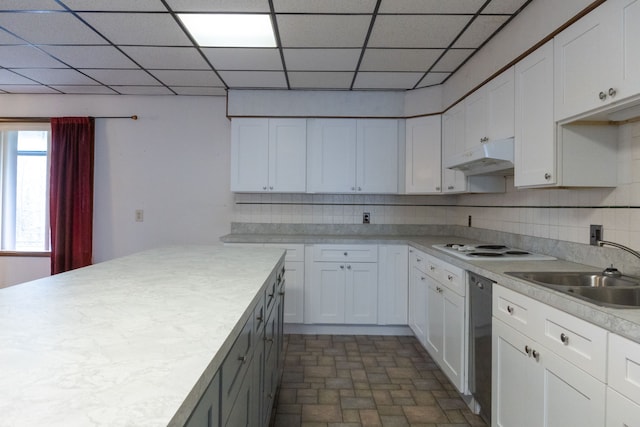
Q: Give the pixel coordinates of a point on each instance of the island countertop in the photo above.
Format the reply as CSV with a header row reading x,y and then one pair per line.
x,y
128,342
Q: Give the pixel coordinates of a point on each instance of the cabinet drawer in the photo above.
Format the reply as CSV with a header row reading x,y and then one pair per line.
x,y
624,366
449,275
294,252
354,253
580,342
516,310
418,259
271,292
235,367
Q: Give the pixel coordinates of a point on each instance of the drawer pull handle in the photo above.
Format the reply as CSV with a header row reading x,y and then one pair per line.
x,y
432,268
602,96
439,289
564,338
268,339
348,267
418,259
346,253
422,278
527,350
242,359
259,318
281,294
509,309
535,355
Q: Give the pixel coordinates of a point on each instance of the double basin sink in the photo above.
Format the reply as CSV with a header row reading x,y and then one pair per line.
x,y
597,288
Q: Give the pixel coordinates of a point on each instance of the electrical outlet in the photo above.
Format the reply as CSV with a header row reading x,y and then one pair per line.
x,y
469,221
366,218
139,215
595,234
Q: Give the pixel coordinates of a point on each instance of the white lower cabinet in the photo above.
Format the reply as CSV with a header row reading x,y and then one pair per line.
x,y
393,284
437,314
534,386
623,391
341,288
621,411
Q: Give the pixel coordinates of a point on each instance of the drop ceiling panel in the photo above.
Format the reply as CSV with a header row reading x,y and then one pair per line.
x,y
504,6
142,90
452,60
323,30
90,56
29,5
122,77
199,91
399,59
433,79
431,6
64,76
26,57
49,28
324,6
9,78
27,89
6,38
186,58
158,29
254,79
219,5
368,80
187,77
244,58
479,30
321,59
119,5
417,31
320,80
84,89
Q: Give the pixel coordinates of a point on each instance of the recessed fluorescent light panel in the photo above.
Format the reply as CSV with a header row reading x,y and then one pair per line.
x,y
230,30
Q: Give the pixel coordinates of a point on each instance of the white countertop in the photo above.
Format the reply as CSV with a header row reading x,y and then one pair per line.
x,y
128,342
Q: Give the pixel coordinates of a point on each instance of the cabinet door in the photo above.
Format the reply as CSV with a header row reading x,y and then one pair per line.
x,y
626,17
434,338
583,53
571,397
377,156
249,154
418,304
475,118
288,155
453,137
423,155
535,141
500,106
621,412
294,292
393,284
454,338
207,413
327,292
516,400
361,293
331,160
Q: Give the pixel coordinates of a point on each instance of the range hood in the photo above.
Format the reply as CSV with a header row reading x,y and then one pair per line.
x,y
492,157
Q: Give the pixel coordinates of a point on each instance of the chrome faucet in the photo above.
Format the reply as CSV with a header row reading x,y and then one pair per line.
x,y
612,271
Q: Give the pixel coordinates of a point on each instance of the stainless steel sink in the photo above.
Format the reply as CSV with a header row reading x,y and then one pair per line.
x,y
581,279
619,292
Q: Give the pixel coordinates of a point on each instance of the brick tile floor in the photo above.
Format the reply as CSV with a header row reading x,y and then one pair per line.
x,y
353,381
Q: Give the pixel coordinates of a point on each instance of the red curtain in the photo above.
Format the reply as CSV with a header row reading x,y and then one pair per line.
x,y
71,192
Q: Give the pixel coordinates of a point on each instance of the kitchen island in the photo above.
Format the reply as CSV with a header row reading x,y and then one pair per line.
x,y
134,341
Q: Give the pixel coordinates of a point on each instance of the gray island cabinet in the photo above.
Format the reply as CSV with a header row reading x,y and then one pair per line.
x,y
176,336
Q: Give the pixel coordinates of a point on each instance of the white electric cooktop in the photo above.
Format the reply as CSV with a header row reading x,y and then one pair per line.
x,y
490,252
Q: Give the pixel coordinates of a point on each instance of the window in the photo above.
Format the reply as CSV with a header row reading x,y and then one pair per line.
x,y
24,168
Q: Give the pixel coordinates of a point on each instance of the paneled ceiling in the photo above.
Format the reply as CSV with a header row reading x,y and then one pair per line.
x,y
141,47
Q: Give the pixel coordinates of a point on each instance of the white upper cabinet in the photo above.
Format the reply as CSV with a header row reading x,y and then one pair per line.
x,y
423,155
596,59
535,142
352,156
489,111
453,142
268,155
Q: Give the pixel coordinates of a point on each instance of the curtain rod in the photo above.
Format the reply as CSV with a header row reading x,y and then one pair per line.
x,y
47,119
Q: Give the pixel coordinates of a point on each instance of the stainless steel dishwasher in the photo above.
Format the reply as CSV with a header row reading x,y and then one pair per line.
x,y
480,289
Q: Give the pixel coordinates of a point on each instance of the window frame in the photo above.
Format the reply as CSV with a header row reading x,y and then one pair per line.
x,y
8,186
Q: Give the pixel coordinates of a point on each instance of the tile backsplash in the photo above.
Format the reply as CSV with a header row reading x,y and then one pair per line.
x,y
560,214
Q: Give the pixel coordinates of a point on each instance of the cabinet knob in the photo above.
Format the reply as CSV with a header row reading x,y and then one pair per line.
x,y
242,359
509,309
264,188
422,278
527,350
437,188
612,92
270,187
564,339
281,294
259,318
450,277
432,268
547,176
451,187
342,267
438,289
348,267
359,188
353,188
602,96
346,253
268,339
535,355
